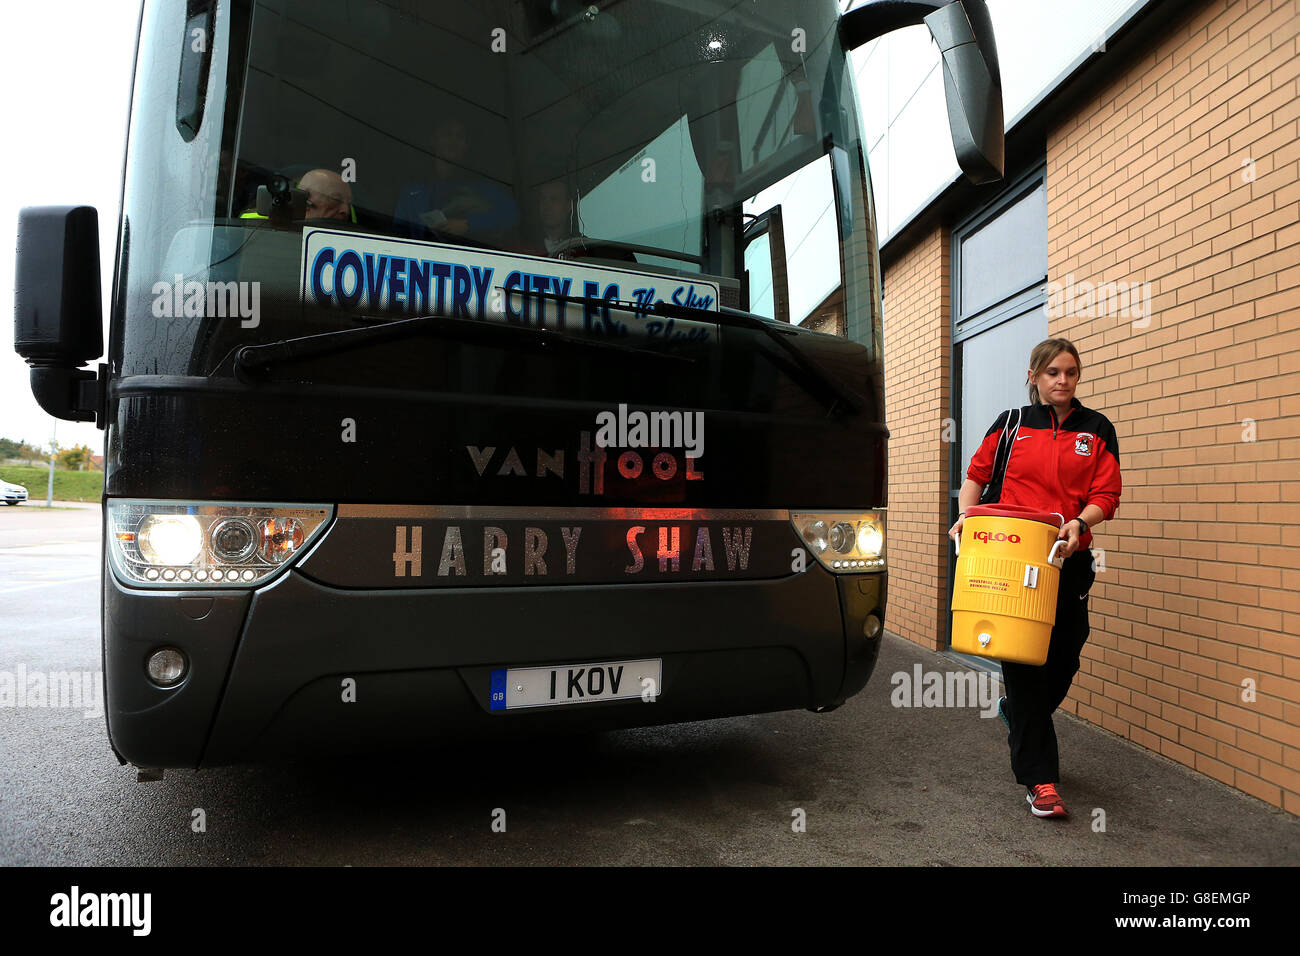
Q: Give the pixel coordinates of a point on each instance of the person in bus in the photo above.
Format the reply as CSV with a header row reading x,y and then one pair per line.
x,y
328,197
1065,460
557,216
454,201
555,213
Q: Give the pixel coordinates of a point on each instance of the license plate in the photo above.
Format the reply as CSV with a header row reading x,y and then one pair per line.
x,y
575,684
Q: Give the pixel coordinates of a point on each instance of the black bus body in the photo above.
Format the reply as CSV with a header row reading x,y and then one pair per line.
x,y
432,466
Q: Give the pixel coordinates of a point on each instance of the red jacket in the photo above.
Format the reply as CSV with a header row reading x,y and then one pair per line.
x,y
1058,467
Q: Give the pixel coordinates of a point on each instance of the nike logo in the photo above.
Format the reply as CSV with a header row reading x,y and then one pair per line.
x,y
1023,437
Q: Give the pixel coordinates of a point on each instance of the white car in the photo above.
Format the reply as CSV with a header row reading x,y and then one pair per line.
x,y
12,494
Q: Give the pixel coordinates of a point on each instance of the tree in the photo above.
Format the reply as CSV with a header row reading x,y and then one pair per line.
x,y
30,453
10,448
76,458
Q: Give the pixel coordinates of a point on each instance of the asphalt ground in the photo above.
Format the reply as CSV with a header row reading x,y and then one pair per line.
x,y
870,784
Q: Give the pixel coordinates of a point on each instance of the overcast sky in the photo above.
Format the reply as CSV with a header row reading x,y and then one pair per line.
x,y
66,77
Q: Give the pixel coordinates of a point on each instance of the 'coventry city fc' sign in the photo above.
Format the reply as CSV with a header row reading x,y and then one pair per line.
x,y
385,275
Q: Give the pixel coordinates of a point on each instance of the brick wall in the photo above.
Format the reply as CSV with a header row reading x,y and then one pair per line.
x,y
1184,172
1174,195
917,345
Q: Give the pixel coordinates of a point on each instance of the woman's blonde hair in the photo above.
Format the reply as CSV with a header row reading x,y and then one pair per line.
x,y
1041,357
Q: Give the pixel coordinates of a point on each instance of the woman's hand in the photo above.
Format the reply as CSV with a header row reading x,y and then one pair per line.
x,y
955,531
1069,533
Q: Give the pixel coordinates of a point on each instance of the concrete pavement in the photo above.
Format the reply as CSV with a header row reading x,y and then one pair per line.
x,y
872,783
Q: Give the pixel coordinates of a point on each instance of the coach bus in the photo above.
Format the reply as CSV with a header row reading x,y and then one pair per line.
x,y
462,376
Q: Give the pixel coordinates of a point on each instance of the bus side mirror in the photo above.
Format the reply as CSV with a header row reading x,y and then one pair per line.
x,y
57,319
972,81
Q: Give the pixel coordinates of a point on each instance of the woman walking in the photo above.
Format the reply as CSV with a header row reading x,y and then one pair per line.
x,y
1064,459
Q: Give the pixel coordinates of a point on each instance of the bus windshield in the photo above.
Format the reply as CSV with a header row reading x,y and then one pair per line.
x,y
642,139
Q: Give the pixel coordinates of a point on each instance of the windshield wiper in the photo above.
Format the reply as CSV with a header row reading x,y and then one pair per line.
x,y
831,391
588,244
255,358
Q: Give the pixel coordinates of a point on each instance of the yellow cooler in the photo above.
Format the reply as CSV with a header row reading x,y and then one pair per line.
x,y
1004,597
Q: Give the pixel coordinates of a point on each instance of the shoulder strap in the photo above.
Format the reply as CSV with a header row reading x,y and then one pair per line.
x,y
993,491
1009,433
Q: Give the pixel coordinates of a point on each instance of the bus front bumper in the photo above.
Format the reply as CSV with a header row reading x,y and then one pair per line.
x,y
300,667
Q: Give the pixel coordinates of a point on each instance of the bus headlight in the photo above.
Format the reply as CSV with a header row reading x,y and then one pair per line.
x,y
169,539
280,538
871,537
815,533
842,537
200,544
844,542
233,539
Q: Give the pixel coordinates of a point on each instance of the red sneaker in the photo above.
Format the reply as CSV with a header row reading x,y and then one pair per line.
x,y
1044,801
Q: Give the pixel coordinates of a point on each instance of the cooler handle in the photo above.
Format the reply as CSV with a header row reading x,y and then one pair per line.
x,y
1051,555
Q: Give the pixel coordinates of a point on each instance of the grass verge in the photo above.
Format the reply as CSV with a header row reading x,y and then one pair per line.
x,y
68,485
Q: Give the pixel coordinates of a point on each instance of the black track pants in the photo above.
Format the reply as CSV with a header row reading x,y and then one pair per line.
x,y
1033,693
